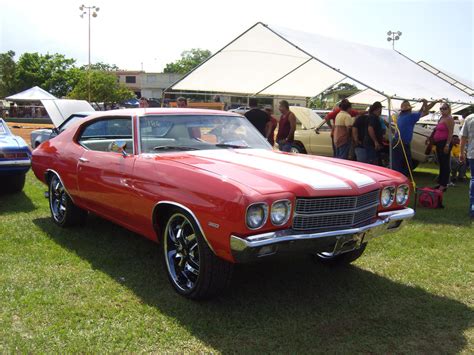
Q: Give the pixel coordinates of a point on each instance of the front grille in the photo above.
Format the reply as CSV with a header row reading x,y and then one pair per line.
x,y
326,213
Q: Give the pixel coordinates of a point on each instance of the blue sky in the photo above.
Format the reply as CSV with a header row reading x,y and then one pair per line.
x,y
153,33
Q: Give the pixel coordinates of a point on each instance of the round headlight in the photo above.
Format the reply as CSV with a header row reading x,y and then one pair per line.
x,y
402,194
280,213
256,215
387,196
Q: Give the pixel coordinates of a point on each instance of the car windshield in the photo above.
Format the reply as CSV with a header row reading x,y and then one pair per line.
x,y
69,121
160,133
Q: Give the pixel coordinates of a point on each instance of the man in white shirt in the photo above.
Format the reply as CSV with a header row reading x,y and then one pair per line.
x,y
467,139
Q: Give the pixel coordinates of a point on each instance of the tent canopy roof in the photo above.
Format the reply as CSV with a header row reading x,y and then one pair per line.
x,y
270,60
33,94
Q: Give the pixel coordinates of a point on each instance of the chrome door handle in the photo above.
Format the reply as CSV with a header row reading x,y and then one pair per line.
x,y
84,160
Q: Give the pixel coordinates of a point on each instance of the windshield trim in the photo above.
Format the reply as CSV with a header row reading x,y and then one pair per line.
x,y
211,146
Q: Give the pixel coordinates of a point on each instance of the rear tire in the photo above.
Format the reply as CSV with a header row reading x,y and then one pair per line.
x,y
341,259
192,268
63,211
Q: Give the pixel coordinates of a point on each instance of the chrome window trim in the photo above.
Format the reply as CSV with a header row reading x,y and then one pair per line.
x,y
101,118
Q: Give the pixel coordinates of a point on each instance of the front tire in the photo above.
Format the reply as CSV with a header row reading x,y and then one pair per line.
x,y
339,260
63,211
297,148
192,268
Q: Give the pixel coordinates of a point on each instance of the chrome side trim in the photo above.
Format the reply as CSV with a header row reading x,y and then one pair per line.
x,y
20,162
192,215
59,177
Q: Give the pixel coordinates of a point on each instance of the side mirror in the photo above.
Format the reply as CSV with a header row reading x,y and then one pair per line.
x,y
118,147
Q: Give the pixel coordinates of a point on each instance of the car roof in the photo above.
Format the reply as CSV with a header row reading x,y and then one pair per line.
x,y
161,111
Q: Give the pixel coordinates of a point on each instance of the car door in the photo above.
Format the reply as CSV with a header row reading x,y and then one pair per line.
x,y
105,175
321,143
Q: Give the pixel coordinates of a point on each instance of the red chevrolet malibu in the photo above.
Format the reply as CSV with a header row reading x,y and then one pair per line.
x,y
209,188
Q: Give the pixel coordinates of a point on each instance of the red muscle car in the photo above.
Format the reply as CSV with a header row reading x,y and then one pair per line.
x,y
209,188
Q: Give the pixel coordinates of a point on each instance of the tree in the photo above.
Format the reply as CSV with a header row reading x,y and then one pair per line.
x,y
189,60
52,72
7,74
101,66
104,88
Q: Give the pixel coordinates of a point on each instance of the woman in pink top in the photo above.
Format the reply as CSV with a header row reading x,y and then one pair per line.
x,y
442,138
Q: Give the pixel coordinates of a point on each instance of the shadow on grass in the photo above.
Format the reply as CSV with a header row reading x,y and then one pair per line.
x,y
15,202
283,305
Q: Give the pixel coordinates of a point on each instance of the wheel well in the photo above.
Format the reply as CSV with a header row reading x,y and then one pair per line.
x,y
301,145
160,213
47,176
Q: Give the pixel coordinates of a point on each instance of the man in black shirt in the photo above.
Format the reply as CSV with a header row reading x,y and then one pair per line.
x,y
367,133
259,118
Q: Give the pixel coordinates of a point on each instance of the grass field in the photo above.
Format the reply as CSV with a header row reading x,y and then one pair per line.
x,y
101,288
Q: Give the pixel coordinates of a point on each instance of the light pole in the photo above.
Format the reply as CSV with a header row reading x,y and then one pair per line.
x,y
393,36
86,10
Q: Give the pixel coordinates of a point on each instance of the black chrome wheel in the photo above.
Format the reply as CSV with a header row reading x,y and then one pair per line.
x,y
181,250
63,211
57,200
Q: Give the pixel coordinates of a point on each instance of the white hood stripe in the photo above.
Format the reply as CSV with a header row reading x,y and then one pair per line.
x,y
358,179
306,175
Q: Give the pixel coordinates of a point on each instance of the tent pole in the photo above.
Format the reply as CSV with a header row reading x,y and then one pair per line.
x,y
390,145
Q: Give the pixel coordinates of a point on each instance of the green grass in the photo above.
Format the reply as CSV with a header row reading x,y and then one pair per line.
x,y
101,288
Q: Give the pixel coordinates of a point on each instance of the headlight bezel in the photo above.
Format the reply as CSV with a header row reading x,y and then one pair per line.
x,y
392,190
406,194
264,205
288,212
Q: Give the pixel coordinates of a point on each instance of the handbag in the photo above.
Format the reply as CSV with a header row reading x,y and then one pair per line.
x,y
430,198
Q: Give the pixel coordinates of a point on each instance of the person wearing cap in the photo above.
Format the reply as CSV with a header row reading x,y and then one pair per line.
x,y
181,102
401,143
367,135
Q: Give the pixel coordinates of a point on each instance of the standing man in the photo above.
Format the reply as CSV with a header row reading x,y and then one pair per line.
x,y
467,139
286,127
401,143
274,124
258,118
331,116
181,102
342,131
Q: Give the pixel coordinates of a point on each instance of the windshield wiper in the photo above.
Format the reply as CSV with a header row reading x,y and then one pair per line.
x,y
225,145
174,147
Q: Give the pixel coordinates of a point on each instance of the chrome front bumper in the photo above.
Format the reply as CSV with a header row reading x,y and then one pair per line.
x,y
15,163
336,242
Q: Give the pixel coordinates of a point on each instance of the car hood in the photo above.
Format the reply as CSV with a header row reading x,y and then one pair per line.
x,y
12,142
267,171
60,109
307,117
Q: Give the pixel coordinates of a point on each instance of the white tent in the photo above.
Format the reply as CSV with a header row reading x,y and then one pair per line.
x,y
270,60
33,94
368,96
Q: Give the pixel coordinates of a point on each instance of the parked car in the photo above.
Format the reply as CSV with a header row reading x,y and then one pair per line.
x,y
309,141
241,109
62,113
208,187
15,160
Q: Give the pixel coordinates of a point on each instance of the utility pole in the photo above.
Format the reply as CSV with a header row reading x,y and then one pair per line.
x,y
86,10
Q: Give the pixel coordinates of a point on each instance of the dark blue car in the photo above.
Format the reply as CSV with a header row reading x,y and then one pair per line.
x,y
15,160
